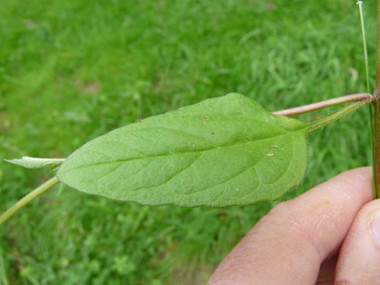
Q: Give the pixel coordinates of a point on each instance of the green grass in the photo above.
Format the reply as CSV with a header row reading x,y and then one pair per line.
x,y
73,70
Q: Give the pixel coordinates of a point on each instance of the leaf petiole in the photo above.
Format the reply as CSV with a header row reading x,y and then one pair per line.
x,y
324,104
32,195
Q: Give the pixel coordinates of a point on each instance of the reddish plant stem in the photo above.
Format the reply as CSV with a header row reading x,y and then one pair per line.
x,y
323,104
376,161
376,105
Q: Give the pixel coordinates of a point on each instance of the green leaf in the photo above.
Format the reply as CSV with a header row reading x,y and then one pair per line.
x,y
33,162
220,152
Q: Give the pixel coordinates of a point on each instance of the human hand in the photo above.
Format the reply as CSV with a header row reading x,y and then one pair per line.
x,y
330,233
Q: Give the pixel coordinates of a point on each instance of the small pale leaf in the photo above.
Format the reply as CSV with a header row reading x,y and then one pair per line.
x,y
216,153
32,162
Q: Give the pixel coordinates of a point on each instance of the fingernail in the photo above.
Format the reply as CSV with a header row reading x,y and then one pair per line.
x,y
375,226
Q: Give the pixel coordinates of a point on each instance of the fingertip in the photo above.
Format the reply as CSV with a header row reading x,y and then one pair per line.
x,y
359,258
374,225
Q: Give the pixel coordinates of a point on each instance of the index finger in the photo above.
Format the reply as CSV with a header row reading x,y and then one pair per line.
x,y
288,245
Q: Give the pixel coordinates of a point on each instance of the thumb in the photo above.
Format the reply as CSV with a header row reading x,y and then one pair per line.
x,y
359,257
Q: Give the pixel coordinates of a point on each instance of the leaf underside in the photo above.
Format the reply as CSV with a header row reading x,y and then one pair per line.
x,y
33,162
226,151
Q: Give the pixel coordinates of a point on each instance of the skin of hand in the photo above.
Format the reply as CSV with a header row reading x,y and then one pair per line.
x,y
328,235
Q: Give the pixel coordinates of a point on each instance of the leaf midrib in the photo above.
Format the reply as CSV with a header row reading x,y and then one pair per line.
x,y
221,183
179,153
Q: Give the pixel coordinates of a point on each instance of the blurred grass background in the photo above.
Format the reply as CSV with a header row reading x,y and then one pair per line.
x,y
73,70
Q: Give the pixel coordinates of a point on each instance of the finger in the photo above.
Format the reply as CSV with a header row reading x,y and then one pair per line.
x,y
288,245
359,257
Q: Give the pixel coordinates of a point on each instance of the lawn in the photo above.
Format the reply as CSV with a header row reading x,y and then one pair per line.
x,y
73,70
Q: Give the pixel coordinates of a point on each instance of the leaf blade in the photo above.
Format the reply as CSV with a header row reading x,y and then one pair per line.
x,y
215,153
33,162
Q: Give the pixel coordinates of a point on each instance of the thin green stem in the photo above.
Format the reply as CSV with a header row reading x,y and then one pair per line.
x,y
32,195
364,43
323,104
370,108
